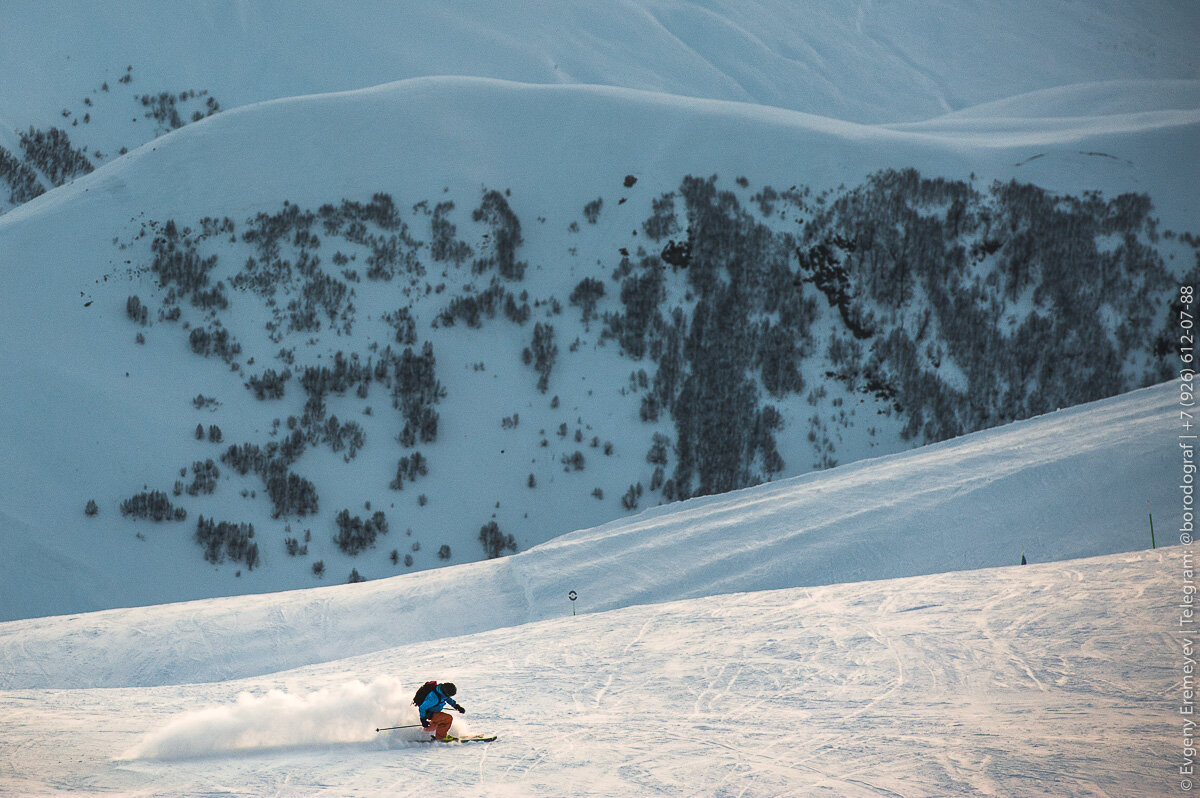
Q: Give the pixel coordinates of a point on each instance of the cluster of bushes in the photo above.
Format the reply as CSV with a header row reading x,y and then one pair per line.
x,y
470,309
210,226
391,252
821,266
345,374
204,478
317,382
415,392
642,292
136,311
380,211
23,183
284,259
269,385
295,548
408,469
541,354
505,237
153,506
662,222
355,535
591,211
629,502
214,340
51,153
343,436
179,267
586,295
320,298
920,272
290,494
405,326
945,272
749,324
495,543
163,108
444,244
222,540
269,271
214,433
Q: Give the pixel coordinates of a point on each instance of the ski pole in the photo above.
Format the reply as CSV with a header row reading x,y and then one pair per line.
x,y
389,728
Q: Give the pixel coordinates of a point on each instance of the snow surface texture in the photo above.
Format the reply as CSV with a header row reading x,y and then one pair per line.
x,y
1045,680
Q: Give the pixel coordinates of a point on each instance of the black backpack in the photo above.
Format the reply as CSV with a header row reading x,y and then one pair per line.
x,y
423,691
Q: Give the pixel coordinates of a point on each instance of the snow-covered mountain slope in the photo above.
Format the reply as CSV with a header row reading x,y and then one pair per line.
x,y
111,78
858,61
1071,484
94,415
358,222
461,269
1046,680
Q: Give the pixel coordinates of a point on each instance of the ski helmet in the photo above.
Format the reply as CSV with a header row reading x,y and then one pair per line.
x,y
448,688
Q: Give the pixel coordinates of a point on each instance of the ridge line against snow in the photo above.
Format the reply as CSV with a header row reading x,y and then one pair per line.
x,y
1035,131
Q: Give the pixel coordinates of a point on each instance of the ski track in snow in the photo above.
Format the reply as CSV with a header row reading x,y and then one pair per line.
x,y
1037,680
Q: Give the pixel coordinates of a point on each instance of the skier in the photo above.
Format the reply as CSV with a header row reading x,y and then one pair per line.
x,y
431,705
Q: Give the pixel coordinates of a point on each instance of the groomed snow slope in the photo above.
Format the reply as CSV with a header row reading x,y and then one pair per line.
x,y
1070,484
1046,680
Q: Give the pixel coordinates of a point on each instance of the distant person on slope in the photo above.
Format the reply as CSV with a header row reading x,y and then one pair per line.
x,y
430,704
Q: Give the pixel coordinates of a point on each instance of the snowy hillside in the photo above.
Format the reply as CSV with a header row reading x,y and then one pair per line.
x,y
1072,484
445,284
858,61
708,657
973,683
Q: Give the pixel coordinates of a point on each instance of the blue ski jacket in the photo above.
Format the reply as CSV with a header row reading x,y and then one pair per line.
x,y
435,701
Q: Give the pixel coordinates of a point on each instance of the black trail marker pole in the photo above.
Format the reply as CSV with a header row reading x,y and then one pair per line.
x,y
572,596
1151,525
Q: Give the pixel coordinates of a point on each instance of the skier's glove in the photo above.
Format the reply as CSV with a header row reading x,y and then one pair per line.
x,y
462,711
424,723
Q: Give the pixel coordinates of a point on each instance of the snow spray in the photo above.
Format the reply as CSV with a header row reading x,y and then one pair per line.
x,y
342,713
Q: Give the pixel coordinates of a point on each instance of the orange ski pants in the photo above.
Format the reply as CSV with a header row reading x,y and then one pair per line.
x,y
440,724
